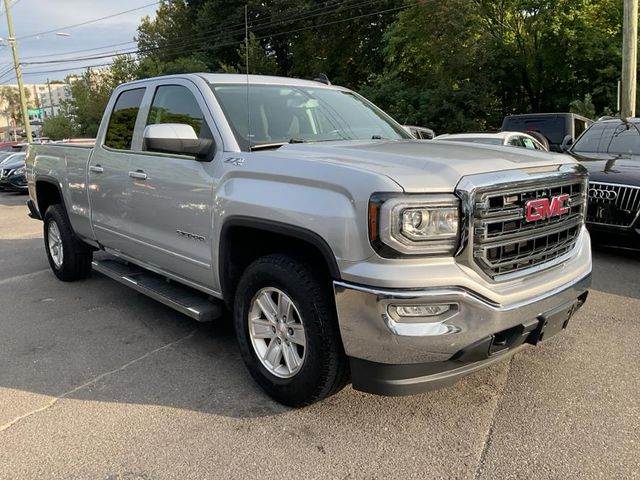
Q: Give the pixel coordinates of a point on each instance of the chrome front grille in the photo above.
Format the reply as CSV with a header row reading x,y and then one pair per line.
x,y
613,205
505,243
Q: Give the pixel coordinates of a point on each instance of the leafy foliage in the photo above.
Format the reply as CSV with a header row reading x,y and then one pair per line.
x,y
10,101
59,127
458,65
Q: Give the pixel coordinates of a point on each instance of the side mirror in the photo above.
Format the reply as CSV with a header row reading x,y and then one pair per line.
x,y
567,141
177,138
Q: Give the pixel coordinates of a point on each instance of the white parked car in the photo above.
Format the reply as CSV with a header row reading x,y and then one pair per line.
x,y
513,139
421,133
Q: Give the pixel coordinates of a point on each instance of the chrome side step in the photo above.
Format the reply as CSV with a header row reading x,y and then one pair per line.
x,y
186,300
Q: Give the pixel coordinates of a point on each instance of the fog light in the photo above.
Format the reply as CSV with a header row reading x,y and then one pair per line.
x,y
414,311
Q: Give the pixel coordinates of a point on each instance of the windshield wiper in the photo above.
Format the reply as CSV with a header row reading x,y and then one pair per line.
x,y
265,146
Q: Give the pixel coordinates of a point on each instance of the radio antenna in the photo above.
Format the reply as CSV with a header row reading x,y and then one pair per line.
x,y
246,60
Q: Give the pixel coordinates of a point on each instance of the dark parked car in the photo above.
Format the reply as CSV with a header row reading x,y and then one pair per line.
x,y
560,129
12,173
610,150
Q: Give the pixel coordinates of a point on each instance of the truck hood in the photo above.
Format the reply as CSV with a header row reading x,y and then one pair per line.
x,y
419,166
607,168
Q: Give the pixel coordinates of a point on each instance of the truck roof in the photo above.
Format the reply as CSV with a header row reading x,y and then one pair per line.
x,y
220,78
258,79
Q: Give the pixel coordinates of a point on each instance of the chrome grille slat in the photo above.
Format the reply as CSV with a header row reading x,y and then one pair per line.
x,y
531,258
536,232
504,243
622,211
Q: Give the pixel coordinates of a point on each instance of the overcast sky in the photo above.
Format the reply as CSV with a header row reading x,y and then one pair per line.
x,y
34,16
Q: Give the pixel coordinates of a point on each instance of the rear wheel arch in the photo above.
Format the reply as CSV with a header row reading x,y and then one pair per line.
x,y
48,192
245,239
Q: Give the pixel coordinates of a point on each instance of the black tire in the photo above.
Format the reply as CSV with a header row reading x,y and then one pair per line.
x,y
325,369
76,255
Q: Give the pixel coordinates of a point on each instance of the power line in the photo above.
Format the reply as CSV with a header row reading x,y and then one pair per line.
x,y
203,35
88,22
204,48
222,34
2,12
389,10
80,51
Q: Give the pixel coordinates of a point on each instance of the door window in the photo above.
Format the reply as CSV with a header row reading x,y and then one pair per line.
x,y
123,119
176,104
516,141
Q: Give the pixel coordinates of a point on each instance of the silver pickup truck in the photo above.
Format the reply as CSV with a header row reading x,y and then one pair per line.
x,y
346,250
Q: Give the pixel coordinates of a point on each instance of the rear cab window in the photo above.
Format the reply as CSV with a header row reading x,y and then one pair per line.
x,y
122,122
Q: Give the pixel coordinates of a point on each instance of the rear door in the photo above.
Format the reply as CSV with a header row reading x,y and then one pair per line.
x,y
172,194
107,175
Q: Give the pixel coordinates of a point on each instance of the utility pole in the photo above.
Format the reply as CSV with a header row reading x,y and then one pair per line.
x,y
16,63
50,97
629,58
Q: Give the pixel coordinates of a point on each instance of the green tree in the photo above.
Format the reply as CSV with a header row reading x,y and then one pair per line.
x,y
261,62
59,127
463,64
584,107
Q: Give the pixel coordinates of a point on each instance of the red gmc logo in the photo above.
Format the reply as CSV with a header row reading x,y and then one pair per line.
x,y
542,208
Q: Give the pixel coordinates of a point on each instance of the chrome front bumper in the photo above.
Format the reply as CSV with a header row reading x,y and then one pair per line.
x,y
372,338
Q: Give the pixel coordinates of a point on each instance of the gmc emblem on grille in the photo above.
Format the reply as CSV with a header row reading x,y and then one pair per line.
x,y
542,208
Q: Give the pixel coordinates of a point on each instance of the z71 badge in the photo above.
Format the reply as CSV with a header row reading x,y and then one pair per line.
x,y
237,161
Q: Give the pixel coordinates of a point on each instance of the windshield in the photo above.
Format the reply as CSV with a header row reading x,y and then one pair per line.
x,y
11,158
282,114
610,137
485,140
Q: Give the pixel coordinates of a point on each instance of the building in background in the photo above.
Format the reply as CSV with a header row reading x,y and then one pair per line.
x,y
44,100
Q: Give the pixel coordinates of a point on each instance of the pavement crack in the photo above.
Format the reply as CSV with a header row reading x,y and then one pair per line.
x,y
489,435
94,380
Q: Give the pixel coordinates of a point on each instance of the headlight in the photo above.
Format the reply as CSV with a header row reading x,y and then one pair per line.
x,y
414,224
20,171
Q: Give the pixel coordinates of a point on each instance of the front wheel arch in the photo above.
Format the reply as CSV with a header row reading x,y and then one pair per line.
x,y
245,239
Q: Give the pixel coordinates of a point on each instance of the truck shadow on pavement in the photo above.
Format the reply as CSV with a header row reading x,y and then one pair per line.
x,y
99,341
119,346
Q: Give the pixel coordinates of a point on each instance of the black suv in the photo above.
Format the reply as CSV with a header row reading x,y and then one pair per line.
x,y
610,150
559,129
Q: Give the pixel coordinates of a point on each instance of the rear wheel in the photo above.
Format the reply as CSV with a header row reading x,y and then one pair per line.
x,y
69,257
286,326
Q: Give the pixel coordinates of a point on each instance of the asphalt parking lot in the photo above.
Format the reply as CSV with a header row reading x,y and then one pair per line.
x,y
99,382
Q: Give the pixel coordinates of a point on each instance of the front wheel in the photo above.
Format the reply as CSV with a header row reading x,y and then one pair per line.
x,y
69,258
286,326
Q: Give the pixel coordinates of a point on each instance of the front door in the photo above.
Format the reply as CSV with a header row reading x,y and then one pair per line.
x,y
172,195
107,176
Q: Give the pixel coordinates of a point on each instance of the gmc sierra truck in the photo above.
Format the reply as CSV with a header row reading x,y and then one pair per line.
x,y
347,250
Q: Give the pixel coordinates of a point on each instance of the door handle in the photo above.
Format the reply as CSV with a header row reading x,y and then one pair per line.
x,y
96,169
138,175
